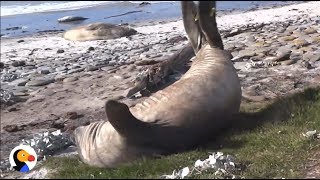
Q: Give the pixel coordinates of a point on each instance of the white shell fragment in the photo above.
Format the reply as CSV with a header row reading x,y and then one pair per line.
x,y
312,134
48,143
222,166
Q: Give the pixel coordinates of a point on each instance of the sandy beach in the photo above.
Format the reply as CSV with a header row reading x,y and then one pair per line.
x,y
276,52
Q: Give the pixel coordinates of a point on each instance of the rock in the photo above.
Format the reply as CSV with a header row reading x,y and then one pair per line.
x,y
176,39
300,42
13,28
71,18
144,3
40,82
310,30
281,56
311,56
20,41
71,115
11,128
44,71
307,65
246,53
1,65
316,40
60,51
62,68
91,68
70,79
240,65
18,63
288,62
12,109
287,38
59,124
90,49
253,98
19,82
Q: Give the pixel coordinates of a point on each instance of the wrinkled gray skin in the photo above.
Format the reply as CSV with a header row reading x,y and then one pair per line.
x,y
176,118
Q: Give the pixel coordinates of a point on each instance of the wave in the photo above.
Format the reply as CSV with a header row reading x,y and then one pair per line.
x,y
26,7
47,6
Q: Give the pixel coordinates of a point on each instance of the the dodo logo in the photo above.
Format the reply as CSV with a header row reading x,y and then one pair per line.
x,y
23,158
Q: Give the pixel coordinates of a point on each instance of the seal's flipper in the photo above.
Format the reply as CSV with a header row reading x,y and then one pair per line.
x,y
207,21
125,123
191,24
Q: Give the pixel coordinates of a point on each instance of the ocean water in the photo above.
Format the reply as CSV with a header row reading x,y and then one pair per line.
x,y
27,17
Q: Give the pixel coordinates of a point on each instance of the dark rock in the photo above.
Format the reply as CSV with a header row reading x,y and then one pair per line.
x,y
60,51
1,65
90,49
59,124
71,115
176,39
11,128
281,56
12,109
20,41
71,19
18,63
144,3
13,28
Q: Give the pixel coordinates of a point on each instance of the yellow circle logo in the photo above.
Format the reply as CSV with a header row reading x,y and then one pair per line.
x,y
23,158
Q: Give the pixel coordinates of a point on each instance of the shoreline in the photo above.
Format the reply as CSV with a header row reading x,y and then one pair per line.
x,y
81,78
135,21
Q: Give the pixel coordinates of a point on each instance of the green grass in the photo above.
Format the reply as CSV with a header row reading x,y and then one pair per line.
x,y
265,138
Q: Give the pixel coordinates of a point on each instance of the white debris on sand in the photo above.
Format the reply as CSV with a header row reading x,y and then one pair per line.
x,y
48,143
39,174
312,134
222,166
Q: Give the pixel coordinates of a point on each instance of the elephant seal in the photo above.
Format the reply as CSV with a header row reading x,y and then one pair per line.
x,y
174,119
98,31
